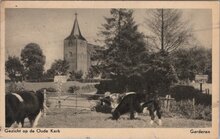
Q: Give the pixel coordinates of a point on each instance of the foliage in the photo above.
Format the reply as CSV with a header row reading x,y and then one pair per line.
x,y
192,61
124,44
73,89
127,61
115,86
182,92
14,67
49,89
14,88
58,67
185,109
168,30
76,75
189,62
34,60
158,73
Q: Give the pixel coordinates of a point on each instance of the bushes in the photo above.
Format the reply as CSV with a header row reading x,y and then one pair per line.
x,y
73,89
111,86
88,80
49,89
183,92
185,109
14,88
76,75
183,105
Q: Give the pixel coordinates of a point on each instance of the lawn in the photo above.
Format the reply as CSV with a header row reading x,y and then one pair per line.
x,y
72,118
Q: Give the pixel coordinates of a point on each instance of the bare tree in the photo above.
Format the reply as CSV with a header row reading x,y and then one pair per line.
x,y
168,29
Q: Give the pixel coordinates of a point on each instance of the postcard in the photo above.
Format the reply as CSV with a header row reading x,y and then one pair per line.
x,y
109,69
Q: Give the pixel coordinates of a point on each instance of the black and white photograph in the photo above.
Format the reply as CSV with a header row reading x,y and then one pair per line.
x,y
109,68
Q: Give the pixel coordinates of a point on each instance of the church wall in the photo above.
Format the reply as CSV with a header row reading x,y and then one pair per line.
x,y
70,54
82,63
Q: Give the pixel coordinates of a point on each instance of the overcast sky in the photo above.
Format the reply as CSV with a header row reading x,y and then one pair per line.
x,y
49,27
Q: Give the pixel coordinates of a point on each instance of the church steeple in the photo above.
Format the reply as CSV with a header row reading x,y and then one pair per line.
x,y
75,34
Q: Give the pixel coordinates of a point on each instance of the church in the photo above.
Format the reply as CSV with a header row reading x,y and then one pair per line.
x,y
76,50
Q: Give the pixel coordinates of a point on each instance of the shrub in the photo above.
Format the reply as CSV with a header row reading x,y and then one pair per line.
x,y
73,89
78,74
183,92
185,109
110,85
14,88
47,80
49,89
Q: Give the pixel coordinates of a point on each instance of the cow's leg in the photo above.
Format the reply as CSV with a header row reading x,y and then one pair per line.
x,y
31,121
135,115
132,115
19,124
159,116
13,125
131,111
22,122
37,119
152,116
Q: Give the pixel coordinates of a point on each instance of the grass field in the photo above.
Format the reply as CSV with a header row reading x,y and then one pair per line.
x,y
67,118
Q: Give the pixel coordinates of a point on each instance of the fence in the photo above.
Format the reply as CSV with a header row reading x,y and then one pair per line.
x,y
166,102
76,101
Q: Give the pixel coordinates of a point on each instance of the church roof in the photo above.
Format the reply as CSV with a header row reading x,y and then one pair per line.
x,y
75,34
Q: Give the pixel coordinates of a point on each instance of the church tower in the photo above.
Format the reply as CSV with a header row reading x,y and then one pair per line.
x,y
76,51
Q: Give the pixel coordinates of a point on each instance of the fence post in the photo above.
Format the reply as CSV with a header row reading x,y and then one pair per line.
x,y
76,101
165,102
59,93
194,110
168,103
44,104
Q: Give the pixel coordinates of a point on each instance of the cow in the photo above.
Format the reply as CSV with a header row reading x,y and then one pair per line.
x,y
25,104
131,103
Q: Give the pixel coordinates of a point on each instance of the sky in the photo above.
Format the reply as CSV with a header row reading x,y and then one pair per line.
x,y
49,28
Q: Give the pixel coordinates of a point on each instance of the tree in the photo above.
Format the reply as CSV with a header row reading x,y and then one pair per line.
x,y
128,60
156,73
14,68
124,44
192,61
58,67
168,30
34,60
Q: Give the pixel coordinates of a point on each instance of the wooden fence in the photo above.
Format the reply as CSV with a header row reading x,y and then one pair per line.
x,y
166,102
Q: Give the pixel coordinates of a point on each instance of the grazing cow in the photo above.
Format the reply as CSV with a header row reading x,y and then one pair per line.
x,y
26,104
131,102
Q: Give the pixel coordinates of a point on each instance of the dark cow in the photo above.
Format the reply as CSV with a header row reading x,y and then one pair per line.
x,y
26,104
131,103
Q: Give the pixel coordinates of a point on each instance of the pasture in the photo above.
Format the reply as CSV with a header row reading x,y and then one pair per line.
x,y
84,117
67,117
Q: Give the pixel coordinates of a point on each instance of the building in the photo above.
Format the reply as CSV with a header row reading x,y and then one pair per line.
x,y
76,50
